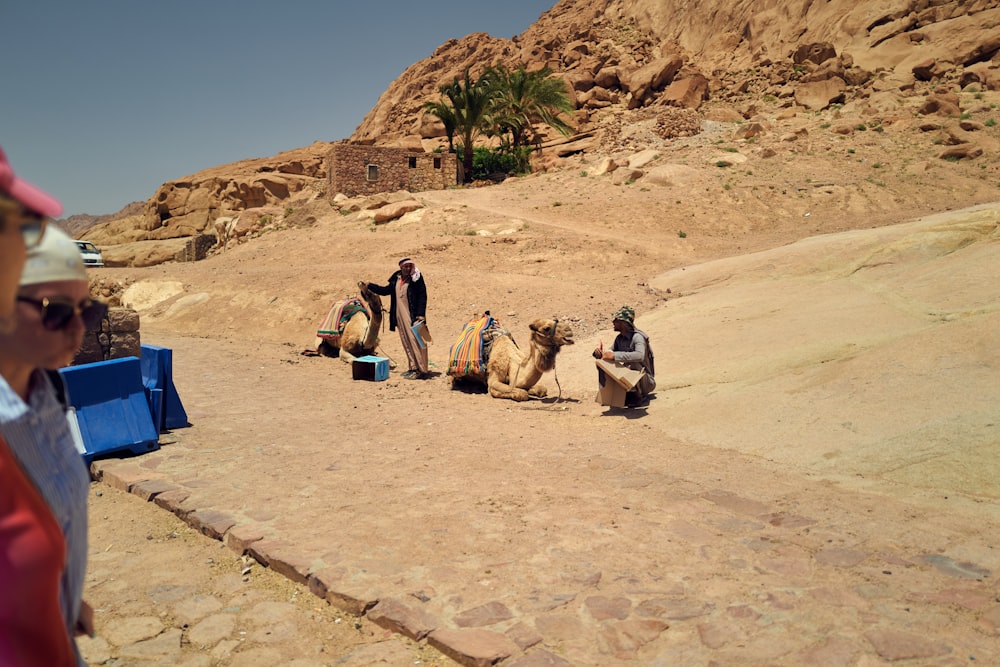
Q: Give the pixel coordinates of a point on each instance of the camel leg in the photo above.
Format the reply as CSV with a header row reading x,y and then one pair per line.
x,y
539,391
346,356
502,390
326,349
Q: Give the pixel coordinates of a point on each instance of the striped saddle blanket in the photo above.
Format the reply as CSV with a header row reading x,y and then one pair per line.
x,y
333,325
471,352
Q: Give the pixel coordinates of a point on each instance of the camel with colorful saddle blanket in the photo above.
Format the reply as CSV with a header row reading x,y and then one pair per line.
x,y
351,327
486,353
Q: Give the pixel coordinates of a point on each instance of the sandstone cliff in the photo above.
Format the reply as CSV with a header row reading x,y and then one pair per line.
x,y
632,52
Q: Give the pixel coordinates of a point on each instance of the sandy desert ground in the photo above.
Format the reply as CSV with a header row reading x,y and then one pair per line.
x,y
814,482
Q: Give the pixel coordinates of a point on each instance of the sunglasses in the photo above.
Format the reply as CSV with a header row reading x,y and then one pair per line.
x,y
32,224
57,315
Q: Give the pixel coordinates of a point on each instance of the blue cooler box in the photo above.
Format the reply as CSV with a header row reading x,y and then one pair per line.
x,y
370,368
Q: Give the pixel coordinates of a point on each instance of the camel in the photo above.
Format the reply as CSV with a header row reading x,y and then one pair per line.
x,y
511,374
360,334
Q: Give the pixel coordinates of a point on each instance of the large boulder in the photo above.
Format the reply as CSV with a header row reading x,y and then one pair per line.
x,y
818,53
646,80
395,211
687,93
816,95
940,104
608,77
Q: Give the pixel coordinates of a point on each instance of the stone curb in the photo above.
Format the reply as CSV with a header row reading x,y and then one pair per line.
x,y
468,646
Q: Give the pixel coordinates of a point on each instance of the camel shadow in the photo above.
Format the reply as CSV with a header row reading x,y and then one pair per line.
x,y
467,386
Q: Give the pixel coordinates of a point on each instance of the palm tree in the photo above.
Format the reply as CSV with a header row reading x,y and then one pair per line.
x,y
446,113
524,98
467,110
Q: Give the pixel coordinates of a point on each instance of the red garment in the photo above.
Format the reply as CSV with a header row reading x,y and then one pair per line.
x,y
32,558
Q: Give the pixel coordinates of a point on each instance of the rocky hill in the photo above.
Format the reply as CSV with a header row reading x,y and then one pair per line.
x,y
78,225
630,54
642,74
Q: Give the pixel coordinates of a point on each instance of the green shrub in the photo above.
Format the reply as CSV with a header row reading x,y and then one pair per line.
x,y
487,162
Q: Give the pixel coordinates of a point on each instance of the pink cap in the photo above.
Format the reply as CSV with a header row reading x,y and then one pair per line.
x,y
31,197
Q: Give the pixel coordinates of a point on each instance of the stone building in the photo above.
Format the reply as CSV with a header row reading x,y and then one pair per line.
x,y
356,169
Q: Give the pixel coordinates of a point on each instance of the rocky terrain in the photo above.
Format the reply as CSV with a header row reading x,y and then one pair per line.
x,y
773,80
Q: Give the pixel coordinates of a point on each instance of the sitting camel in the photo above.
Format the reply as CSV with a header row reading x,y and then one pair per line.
x,y
511,374
359,336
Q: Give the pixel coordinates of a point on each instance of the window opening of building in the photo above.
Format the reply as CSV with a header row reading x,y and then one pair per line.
x,y
437,163
373,172
413,163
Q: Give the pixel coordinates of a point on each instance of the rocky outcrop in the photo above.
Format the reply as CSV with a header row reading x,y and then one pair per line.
x,y
190,205
400,107
642,53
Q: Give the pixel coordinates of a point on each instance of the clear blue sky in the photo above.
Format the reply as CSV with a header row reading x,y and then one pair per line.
x,y
104,101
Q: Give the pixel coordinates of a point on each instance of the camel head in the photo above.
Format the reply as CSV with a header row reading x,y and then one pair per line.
x,y
374,303
551,333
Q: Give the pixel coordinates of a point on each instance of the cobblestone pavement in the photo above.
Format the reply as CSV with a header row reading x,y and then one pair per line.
x,y
164,594
548,533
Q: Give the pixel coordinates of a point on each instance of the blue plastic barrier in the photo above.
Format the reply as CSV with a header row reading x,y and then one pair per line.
x,y
157,378
111,407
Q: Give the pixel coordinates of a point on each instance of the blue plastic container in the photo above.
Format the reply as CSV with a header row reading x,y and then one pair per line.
x,y
111,407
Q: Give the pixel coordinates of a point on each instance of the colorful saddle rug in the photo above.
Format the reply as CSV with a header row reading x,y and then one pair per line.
x,y
333,325
471,352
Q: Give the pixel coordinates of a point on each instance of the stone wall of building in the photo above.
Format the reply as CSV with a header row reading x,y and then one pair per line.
x,y
117,337
356,169
196,248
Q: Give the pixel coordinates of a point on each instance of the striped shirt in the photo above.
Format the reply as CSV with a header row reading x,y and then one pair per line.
x,y
38,434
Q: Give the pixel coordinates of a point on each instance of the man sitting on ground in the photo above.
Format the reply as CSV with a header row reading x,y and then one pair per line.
x,y
631,348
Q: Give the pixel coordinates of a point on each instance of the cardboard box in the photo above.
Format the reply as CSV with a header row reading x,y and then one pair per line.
x,y
614,382
371,368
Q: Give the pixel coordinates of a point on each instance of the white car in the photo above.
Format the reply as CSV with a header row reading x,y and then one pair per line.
x,y
91,255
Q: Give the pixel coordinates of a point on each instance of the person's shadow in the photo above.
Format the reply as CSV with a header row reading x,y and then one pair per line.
x,y
637,411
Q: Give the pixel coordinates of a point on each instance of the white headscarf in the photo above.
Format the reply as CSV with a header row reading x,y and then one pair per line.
x,y
415,274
